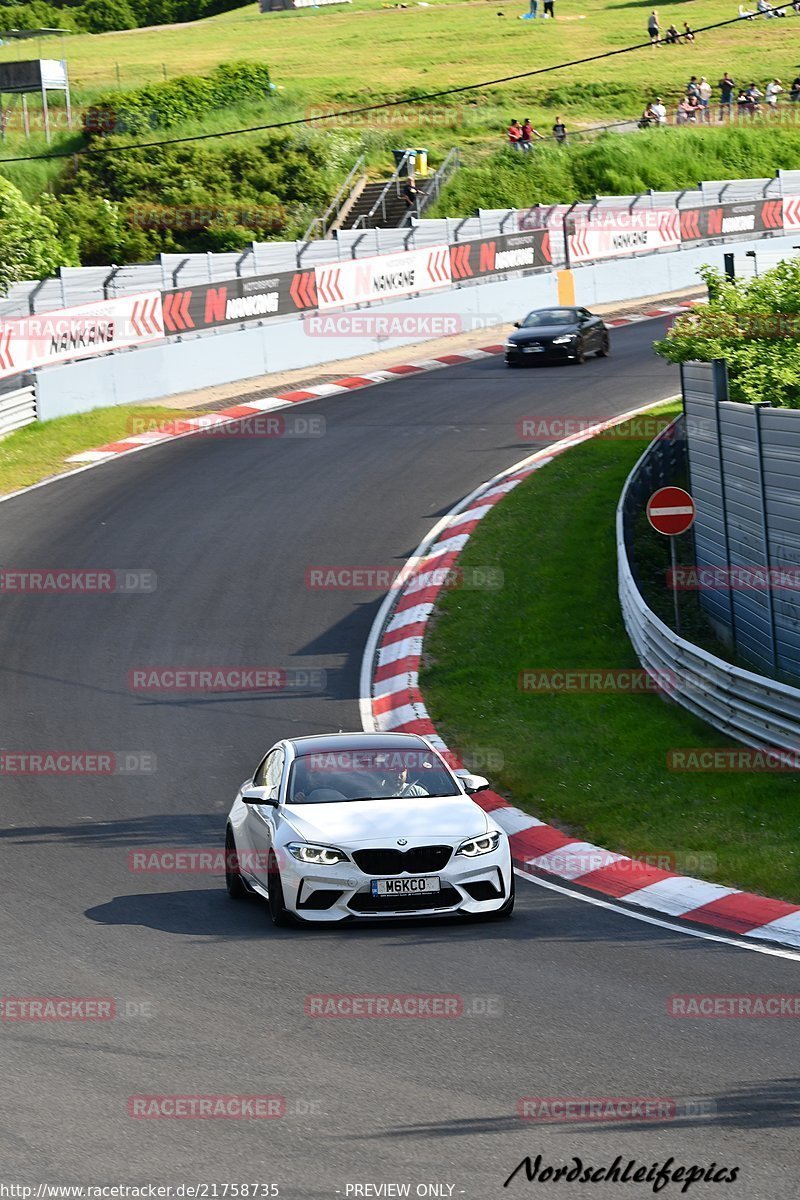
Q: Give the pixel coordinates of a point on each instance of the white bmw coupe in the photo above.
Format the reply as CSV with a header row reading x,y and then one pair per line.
x,y
373,825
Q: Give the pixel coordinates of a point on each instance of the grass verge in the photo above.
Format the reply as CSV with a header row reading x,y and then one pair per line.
x,y
592,763
41,449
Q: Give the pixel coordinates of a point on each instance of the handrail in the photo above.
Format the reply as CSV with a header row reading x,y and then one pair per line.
x,y
432,192
380,203
336,204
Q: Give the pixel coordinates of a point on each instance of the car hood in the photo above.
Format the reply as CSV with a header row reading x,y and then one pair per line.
x,y
382,822
540,333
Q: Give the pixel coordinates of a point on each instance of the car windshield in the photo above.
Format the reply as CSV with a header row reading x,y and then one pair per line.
x,y
329,777
549,316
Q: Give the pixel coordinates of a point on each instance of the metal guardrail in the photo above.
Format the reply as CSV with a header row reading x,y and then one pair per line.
x,y
759,712
321,226
17,408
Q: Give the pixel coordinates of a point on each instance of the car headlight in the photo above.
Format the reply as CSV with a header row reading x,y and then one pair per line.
x,y
566,337
511,345
318,856
484,844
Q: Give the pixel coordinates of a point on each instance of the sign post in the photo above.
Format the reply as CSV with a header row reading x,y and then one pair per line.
x,y
671,512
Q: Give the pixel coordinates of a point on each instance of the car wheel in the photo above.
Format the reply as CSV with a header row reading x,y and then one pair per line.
x,y
580,355
277,909
506,909
605,348
233,879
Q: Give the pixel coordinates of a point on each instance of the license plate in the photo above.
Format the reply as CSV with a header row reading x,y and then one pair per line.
x,y
534,349
405,887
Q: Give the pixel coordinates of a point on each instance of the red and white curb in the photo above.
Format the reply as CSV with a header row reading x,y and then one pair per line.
x,y
186,427
391,701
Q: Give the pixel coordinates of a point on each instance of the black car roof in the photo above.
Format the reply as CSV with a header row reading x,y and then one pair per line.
x,y
332,743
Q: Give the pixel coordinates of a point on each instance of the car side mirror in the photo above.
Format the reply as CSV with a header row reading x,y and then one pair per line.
x,y
258,795
518,325
472,783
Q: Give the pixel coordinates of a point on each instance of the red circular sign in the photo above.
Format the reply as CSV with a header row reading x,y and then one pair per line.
x,y
670,510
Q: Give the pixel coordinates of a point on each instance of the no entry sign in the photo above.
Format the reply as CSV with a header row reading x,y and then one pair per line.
x,y
670,511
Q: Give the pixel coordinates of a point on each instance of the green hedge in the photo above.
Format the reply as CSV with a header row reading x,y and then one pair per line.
x,y
185,98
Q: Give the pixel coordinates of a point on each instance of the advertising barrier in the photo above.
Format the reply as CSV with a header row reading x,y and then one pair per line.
x,y
80,332
495,255
385,276
726,220
249,298
610,233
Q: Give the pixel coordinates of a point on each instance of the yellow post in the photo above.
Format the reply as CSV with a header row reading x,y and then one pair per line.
x,y
566,287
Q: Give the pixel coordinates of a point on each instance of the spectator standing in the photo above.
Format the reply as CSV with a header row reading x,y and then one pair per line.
x,y
515,135
527,134
548,8
743,105
794,94
653,30
726,89
560,132
659,108
648,117
772,91
705,98
693,87
754,96
533,10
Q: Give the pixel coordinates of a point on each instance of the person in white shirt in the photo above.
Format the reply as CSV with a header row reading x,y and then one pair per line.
x,y
773,90
705,97
660,111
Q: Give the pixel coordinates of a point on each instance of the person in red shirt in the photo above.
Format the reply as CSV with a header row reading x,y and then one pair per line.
x,y
515,134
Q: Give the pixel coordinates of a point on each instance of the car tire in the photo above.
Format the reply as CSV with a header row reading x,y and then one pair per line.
x,y
234,883
281,917
605,348
580,356
506,909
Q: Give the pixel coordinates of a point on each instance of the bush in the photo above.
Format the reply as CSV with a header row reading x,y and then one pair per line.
x,y
187,97
195,197
101,16
754,324
30,246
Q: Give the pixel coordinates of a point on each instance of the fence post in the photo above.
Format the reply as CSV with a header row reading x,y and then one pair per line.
x,y
719,369
765,532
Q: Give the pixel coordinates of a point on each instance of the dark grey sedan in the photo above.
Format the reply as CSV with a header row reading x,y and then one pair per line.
x,y
564,334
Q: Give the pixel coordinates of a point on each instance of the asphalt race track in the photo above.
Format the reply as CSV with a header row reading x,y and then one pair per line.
x,y
215,995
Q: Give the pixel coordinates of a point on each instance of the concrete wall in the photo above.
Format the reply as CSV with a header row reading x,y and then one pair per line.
x,y
228,356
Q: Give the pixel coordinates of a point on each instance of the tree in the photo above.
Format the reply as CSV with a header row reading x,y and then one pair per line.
x,y
30,247
754,324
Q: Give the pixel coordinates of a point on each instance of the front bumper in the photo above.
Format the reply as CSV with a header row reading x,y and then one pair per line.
x,y
547,353
342,892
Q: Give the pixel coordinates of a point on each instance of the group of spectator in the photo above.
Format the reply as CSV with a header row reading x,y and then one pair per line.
x,y
672,35
520,137
765,9
696,107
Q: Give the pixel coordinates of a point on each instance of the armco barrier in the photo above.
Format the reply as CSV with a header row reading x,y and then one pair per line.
x,y
757,711
17,408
